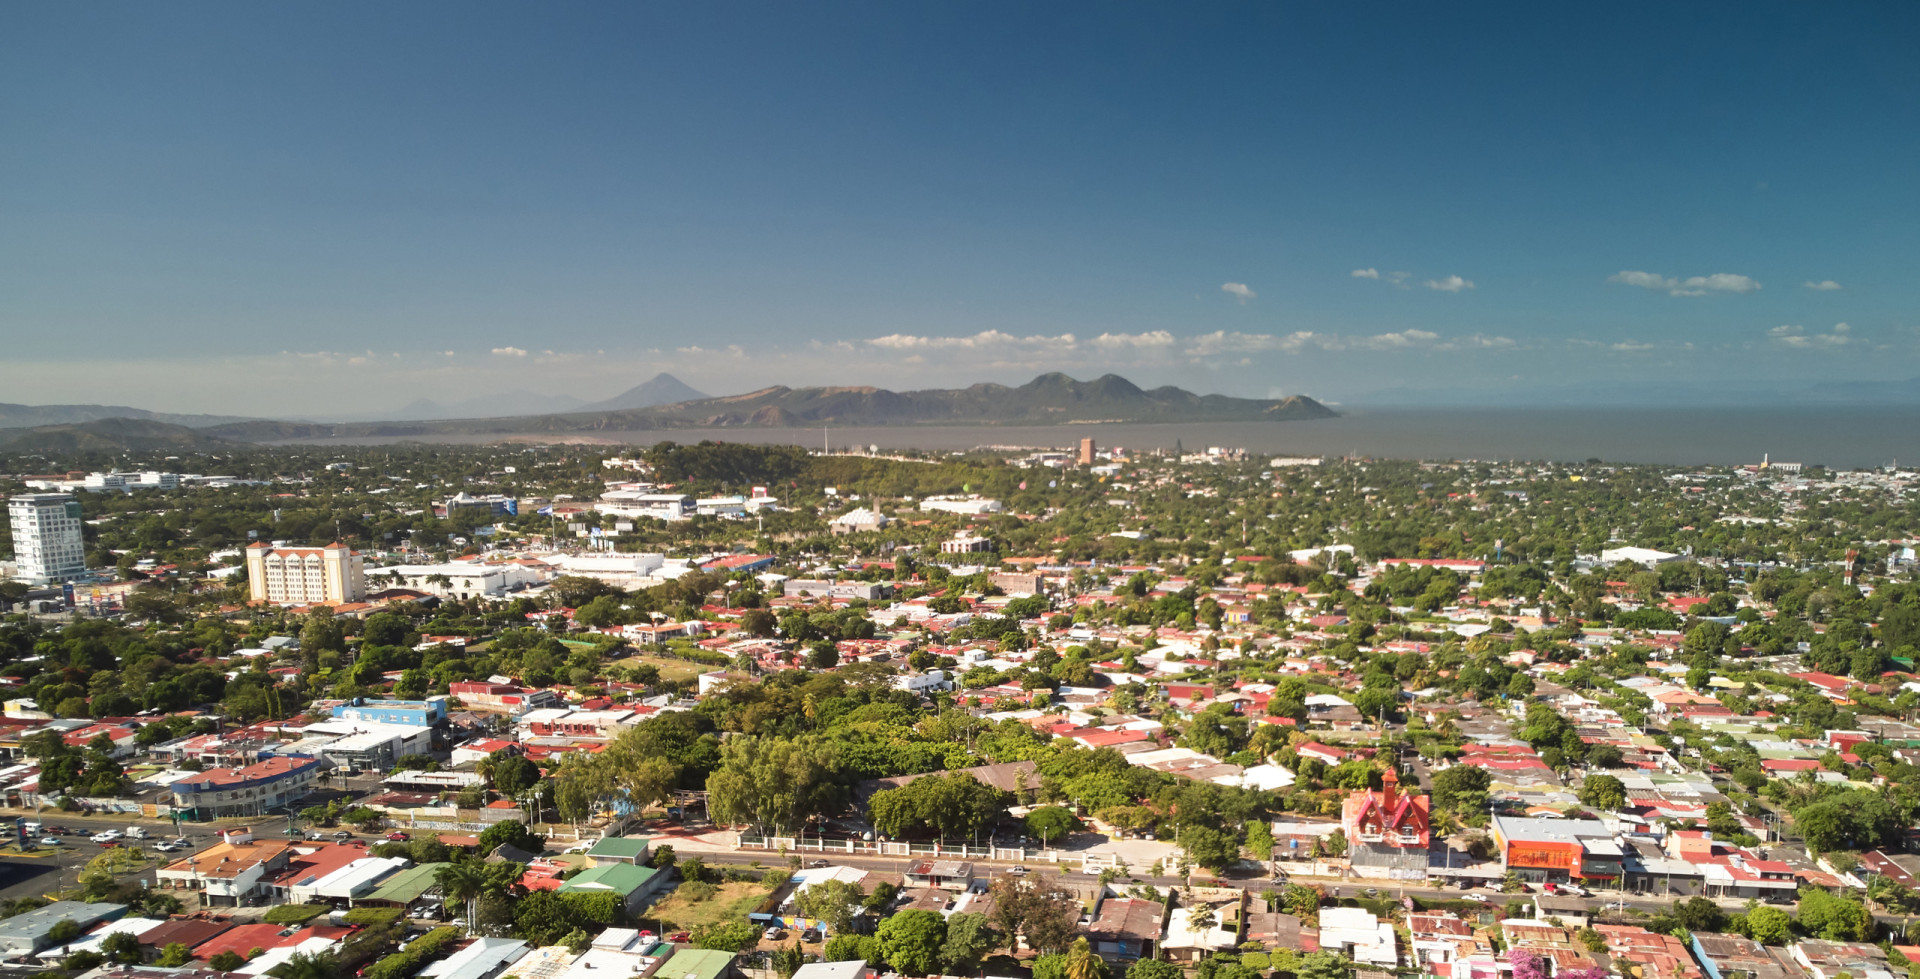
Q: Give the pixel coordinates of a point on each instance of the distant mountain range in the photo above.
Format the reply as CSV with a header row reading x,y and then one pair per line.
x,y
108,435
29,416
1050,399
662,389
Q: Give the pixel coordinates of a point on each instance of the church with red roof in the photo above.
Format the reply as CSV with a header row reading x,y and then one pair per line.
x,y
1387,832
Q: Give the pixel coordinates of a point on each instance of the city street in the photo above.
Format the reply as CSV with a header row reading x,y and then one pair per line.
x,y
1648,904
24,876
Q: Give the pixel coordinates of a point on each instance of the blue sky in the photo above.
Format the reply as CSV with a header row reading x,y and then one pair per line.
x,y
382,202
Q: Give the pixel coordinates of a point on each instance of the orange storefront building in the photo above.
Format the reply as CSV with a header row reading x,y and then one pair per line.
x,y
1557,849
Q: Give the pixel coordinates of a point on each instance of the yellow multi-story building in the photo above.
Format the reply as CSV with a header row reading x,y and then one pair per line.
x,y
305,575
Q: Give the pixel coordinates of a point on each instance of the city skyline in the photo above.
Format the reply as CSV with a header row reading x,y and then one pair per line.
x,y
262,211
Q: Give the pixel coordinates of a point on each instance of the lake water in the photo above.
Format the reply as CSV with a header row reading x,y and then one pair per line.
x,y
1842,437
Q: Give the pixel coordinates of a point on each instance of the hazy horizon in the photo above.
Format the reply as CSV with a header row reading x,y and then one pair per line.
x,y
1892,396
333,211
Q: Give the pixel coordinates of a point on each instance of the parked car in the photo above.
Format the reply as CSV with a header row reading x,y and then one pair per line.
x,y
59,831
680,936
399,836
809,936
773,934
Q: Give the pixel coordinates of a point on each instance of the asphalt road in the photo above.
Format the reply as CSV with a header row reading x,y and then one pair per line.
x,y
24,876
37,875
1650,904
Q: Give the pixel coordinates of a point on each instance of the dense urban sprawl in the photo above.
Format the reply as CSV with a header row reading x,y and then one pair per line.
x,y
723,710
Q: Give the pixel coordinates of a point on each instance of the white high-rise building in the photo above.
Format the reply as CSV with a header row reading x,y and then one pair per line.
x,y
305,575
47,543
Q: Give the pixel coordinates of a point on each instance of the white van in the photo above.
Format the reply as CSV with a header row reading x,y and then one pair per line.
x,y
136,833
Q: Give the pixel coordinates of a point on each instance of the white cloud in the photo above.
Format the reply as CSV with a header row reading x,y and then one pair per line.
x,y
1238,290
1824,285
1698,285
1396,279
509,352
1795,335
1404,338
1397,341
1221,342
1451,283
1630,347
983,339
1122,341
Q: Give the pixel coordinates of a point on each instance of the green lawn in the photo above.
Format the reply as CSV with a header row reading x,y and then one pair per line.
x,y
671,670
733,901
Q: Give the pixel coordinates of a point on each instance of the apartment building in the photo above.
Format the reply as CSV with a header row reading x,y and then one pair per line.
x,y
305,575
47,542
248,791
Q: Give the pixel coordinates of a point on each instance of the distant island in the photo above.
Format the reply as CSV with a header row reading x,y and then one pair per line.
x,y
1050,399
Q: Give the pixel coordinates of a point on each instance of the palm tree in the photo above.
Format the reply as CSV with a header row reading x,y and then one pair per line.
x,y
1201,918
464,882
1082,963
301,965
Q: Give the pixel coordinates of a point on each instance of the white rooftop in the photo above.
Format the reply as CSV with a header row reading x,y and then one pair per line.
x,y
352,880
90,942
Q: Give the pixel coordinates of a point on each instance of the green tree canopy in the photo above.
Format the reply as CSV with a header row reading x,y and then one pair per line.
x,y
912,941
1603,792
